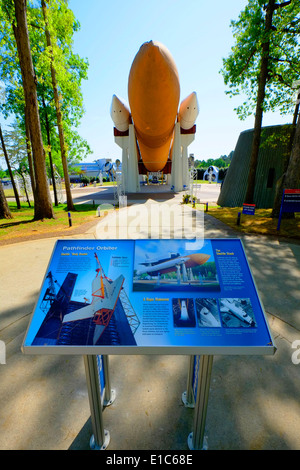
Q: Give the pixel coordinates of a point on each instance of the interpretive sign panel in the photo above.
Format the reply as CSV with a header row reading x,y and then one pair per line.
x,y
249,209
290,203
148,297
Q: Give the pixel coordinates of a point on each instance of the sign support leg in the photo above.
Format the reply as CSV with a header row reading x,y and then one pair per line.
x,y
196,440
100,438
188,396
279,218
109,393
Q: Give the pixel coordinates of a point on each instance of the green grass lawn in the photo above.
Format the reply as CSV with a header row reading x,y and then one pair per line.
x,y
260,223
23,225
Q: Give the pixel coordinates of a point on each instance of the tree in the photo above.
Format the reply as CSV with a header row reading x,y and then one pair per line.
x,y
283,182
262,81
16,148
70,70
2,94
9,169
70,204
263,64
292,176
4,209
29,151
43,204
47,126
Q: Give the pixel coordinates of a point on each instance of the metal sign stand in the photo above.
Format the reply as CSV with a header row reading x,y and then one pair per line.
x,y
201,381
196,439
188,396
100,439
109,393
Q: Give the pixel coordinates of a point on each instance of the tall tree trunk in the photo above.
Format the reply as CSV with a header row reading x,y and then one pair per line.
x,y
4,209
292,176
47,125
263,76
43,204
10,171
29,153
280,185
58,113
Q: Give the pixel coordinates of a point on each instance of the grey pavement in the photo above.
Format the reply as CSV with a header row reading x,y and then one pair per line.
x,y
253,401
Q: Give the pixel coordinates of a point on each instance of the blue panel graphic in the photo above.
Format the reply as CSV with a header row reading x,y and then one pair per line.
x,y
148,297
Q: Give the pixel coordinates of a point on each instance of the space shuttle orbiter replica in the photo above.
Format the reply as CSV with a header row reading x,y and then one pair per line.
x,y
105,294
157,129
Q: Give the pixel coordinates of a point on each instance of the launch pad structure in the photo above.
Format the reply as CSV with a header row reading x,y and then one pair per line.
x,y
82,328
181,177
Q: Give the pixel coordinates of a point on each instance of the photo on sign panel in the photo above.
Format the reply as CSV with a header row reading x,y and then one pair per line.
x,y
207,313
166,265
237,313
183,313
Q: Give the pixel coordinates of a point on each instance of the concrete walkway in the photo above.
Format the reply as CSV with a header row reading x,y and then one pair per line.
x,y
253,402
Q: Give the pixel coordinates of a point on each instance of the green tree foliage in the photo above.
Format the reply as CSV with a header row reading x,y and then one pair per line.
x,y
241,68
221,162
70,70
263,64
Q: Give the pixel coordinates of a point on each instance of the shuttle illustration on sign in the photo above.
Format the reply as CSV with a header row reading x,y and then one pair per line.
x,y
207,318
184,312
153,131
156,266
105,295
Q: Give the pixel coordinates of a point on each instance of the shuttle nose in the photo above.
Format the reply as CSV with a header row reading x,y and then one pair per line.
x,y
120,114
152,51
188,111
114,102
115,107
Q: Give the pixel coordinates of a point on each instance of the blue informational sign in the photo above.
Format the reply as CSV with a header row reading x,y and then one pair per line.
x,y
249,209
148,297
290,203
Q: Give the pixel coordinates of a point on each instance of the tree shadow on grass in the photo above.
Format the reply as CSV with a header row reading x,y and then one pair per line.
x,y
82,207
16,223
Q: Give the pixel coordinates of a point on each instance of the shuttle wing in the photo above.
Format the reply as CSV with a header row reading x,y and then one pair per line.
x,y
109,302
84,312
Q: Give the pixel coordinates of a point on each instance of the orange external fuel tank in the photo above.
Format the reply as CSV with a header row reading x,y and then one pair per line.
x,y
154,93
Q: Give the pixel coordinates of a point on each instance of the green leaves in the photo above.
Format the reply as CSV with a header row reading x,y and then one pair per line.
x,y
70,68
241,68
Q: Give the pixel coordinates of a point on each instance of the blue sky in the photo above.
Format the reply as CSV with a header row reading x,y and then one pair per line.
x,y
198,35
